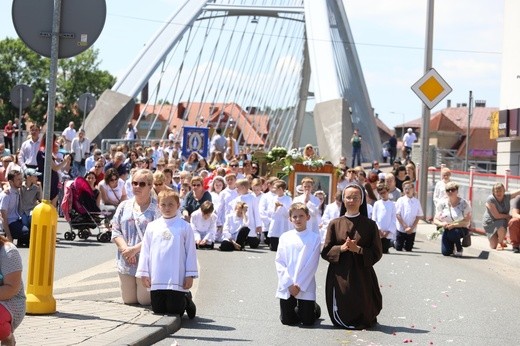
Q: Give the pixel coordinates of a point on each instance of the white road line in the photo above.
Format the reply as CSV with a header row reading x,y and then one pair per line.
x,y
107,267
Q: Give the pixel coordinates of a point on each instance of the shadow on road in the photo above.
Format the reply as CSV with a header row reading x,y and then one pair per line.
x,y
204,323
398,329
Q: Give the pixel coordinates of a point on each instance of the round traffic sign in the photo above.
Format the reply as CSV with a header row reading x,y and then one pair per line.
x,y
81,24
86,103
21,95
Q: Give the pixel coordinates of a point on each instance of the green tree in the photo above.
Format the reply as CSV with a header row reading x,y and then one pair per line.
x,y
20,65
77,75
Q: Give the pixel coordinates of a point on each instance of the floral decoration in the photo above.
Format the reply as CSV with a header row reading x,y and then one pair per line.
x,y
287,159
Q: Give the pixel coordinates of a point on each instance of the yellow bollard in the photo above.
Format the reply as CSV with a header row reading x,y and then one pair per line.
x,y
42,252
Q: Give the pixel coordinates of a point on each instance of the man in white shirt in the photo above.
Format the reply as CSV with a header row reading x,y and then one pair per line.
x,y
29,149
80,147
69,134
218,142
408,139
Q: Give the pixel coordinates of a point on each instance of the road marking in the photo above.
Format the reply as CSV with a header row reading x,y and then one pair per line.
x,y
106,267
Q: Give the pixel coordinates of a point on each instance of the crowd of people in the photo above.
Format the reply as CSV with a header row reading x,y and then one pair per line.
x,y
165,205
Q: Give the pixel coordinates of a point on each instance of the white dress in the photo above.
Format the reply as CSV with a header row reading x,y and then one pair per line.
x,y
168,254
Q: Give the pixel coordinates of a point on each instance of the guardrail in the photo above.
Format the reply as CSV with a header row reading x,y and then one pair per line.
x,y
474,186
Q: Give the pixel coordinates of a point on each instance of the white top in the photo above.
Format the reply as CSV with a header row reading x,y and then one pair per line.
x,y
28,152
384,214
314,210
69,134
227,195
81,149
330,213
439,193
203,229
263,205
296,263
113,194
231,226
253,214
409,209
409,139
279,216
168,254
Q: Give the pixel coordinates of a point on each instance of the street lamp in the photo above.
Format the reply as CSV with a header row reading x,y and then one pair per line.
x,y
402,125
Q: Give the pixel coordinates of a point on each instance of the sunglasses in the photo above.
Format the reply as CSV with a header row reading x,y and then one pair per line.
x,y
233,165
451,190
139,183
158,184
98,166
114,179
195,185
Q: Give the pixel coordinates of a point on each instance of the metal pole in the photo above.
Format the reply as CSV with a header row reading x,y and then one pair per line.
x,y
84,112
425,129
20,113
51,106
470,114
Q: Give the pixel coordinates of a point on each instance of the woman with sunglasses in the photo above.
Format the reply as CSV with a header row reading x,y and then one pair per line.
x,y
112,190
496,216
195,198
454,216
128,227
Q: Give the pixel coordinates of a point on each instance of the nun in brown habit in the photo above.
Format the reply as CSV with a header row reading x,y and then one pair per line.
x,y
352,247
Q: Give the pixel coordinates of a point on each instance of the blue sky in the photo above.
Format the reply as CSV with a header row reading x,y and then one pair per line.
x,y
390,38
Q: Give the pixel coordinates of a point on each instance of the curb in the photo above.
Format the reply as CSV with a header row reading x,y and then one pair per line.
x,y
152,334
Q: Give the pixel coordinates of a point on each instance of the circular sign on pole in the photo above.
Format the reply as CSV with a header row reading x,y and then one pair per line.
x,y
86,103
81,24
21,96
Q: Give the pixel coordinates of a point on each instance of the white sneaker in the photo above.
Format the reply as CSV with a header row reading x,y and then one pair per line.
x,y
458,253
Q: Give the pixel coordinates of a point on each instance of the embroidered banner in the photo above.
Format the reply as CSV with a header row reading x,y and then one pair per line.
x,y
195,139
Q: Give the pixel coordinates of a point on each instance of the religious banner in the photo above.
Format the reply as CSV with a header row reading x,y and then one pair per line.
x,y
195,139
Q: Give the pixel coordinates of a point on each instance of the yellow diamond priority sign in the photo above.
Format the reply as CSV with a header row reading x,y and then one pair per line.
x,y
431,88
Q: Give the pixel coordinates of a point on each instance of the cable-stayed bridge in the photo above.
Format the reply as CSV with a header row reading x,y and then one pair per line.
x,y
268,60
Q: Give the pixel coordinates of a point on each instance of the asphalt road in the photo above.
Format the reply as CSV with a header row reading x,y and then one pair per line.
x,y
428,299
79,266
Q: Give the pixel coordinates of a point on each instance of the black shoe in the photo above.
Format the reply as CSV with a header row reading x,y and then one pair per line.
x,y
516,250
317,310
191,309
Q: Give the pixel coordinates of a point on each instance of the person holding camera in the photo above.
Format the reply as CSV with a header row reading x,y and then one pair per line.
x,y
80,149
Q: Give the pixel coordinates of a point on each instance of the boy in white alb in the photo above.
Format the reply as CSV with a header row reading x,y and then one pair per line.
x,y
227,195
278,212
204,224
235,231
253,214
312,202
296,264
409,212
331,212
384,214
168,259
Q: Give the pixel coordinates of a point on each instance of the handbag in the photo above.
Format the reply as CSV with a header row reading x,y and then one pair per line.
x,y
466,239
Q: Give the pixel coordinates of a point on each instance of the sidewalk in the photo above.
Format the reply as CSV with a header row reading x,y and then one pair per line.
x,y
84,322
479,247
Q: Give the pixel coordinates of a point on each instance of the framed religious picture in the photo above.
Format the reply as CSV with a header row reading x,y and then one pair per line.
x,y
324,177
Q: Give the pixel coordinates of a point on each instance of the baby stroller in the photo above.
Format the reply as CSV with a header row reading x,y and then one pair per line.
x,y
82,213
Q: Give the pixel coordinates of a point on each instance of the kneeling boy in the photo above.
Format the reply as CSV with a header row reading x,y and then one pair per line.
x,y
168,259
296,264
